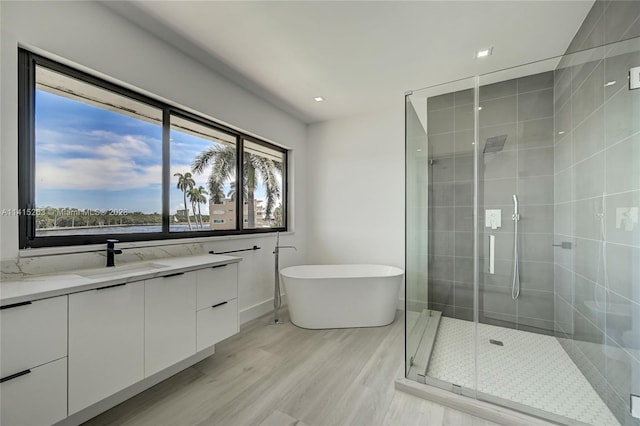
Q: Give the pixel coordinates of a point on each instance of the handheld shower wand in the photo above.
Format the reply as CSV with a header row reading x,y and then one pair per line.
x,y
515,284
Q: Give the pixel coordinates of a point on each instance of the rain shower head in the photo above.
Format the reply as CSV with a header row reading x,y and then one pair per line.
x,y
494,144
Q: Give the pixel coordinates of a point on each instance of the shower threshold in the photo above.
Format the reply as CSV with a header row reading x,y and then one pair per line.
x,y
424,331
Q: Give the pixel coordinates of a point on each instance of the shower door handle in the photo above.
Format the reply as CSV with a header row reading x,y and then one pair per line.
x,y
564,245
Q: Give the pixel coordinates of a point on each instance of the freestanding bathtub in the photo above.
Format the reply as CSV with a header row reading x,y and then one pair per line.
x,y
342,296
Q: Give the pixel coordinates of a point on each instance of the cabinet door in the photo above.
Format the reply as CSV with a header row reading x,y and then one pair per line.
x,y
38,397
33,334
170,321
106,342
217,284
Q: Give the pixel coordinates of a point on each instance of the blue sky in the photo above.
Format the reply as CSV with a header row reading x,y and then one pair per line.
x,y
91,158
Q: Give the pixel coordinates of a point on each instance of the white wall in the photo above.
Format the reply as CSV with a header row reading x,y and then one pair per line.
x,y
88,34
355,189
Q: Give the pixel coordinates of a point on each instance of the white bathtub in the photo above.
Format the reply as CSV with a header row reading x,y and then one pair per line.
x,y
342,296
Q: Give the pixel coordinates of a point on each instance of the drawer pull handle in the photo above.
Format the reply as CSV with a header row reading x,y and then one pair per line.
x,y
219,266
15,305
219,304
111,286
13,376
173,275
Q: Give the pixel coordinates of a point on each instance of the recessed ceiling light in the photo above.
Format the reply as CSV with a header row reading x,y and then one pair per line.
x,y
479,108
561,133
318,99
483,53
610,83
419,149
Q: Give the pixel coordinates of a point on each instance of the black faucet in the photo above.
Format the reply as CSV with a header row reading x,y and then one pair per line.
x,y
111,251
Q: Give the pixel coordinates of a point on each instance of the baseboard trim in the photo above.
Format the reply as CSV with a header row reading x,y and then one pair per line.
x,y
485,410
259,309
118,398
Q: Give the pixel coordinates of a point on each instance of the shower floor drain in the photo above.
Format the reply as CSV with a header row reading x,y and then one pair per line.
x,y
496,342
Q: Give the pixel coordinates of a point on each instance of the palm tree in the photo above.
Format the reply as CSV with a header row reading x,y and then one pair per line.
x,y
197,197
185,183
222,160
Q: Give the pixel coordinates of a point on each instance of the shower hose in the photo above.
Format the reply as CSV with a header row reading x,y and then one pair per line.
x,y
515,284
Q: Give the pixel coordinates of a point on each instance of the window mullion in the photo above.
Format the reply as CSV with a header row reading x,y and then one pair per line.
x,y
240,183
166,168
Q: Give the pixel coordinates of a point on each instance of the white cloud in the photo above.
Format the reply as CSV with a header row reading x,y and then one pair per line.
x,y
99,174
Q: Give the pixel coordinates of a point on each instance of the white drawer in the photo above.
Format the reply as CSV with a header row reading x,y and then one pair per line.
x,y
217,323
217,284
33,334
36,398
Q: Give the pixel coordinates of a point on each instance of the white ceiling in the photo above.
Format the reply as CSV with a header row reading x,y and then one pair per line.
x,y
359,55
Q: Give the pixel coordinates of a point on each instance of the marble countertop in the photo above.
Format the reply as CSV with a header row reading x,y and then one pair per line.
x,y
33,287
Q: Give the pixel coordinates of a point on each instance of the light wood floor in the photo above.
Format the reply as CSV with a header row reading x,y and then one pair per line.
x,y
284,375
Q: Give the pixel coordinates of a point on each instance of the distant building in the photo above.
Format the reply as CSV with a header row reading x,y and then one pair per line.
x,y
223,215
182,212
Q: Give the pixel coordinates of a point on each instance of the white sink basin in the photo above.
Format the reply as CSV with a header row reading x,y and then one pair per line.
x,y
131,268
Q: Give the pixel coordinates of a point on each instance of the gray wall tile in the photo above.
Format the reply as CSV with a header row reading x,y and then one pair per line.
x,y
537,276
536,247
562,155
464,167
535,133
622,225
535,190
442,218
539,81
535,105
440,145
621,115
441,243
464,117
441,268
619,19
589,177
464,97
589,95
498,165
498,90
498,111
623,173
623,269
441,292
443,194
535,162
439,102
440,121
442,169
588,137
498,300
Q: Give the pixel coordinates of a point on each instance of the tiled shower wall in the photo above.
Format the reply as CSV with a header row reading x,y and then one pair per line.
x,y
597,188
521,109
450,262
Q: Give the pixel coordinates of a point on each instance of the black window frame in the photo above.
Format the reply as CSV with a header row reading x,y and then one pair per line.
x,y
27,64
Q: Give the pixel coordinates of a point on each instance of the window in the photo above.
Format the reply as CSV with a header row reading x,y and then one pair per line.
x,y
97,160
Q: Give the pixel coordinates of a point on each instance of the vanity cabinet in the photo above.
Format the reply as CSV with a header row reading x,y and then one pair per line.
x,y
170,320
33,362
62,355
106,342
217,302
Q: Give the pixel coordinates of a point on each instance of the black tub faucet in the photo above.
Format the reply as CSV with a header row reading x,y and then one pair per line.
x,y
111,251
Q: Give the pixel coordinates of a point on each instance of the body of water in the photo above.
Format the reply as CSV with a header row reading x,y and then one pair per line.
x,y
105,230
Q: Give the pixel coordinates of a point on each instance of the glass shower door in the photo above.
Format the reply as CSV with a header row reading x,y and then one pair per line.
x,y
440,167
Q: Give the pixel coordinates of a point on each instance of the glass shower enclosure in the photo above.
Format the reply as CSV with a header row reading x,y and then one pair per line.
x,y
523,237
